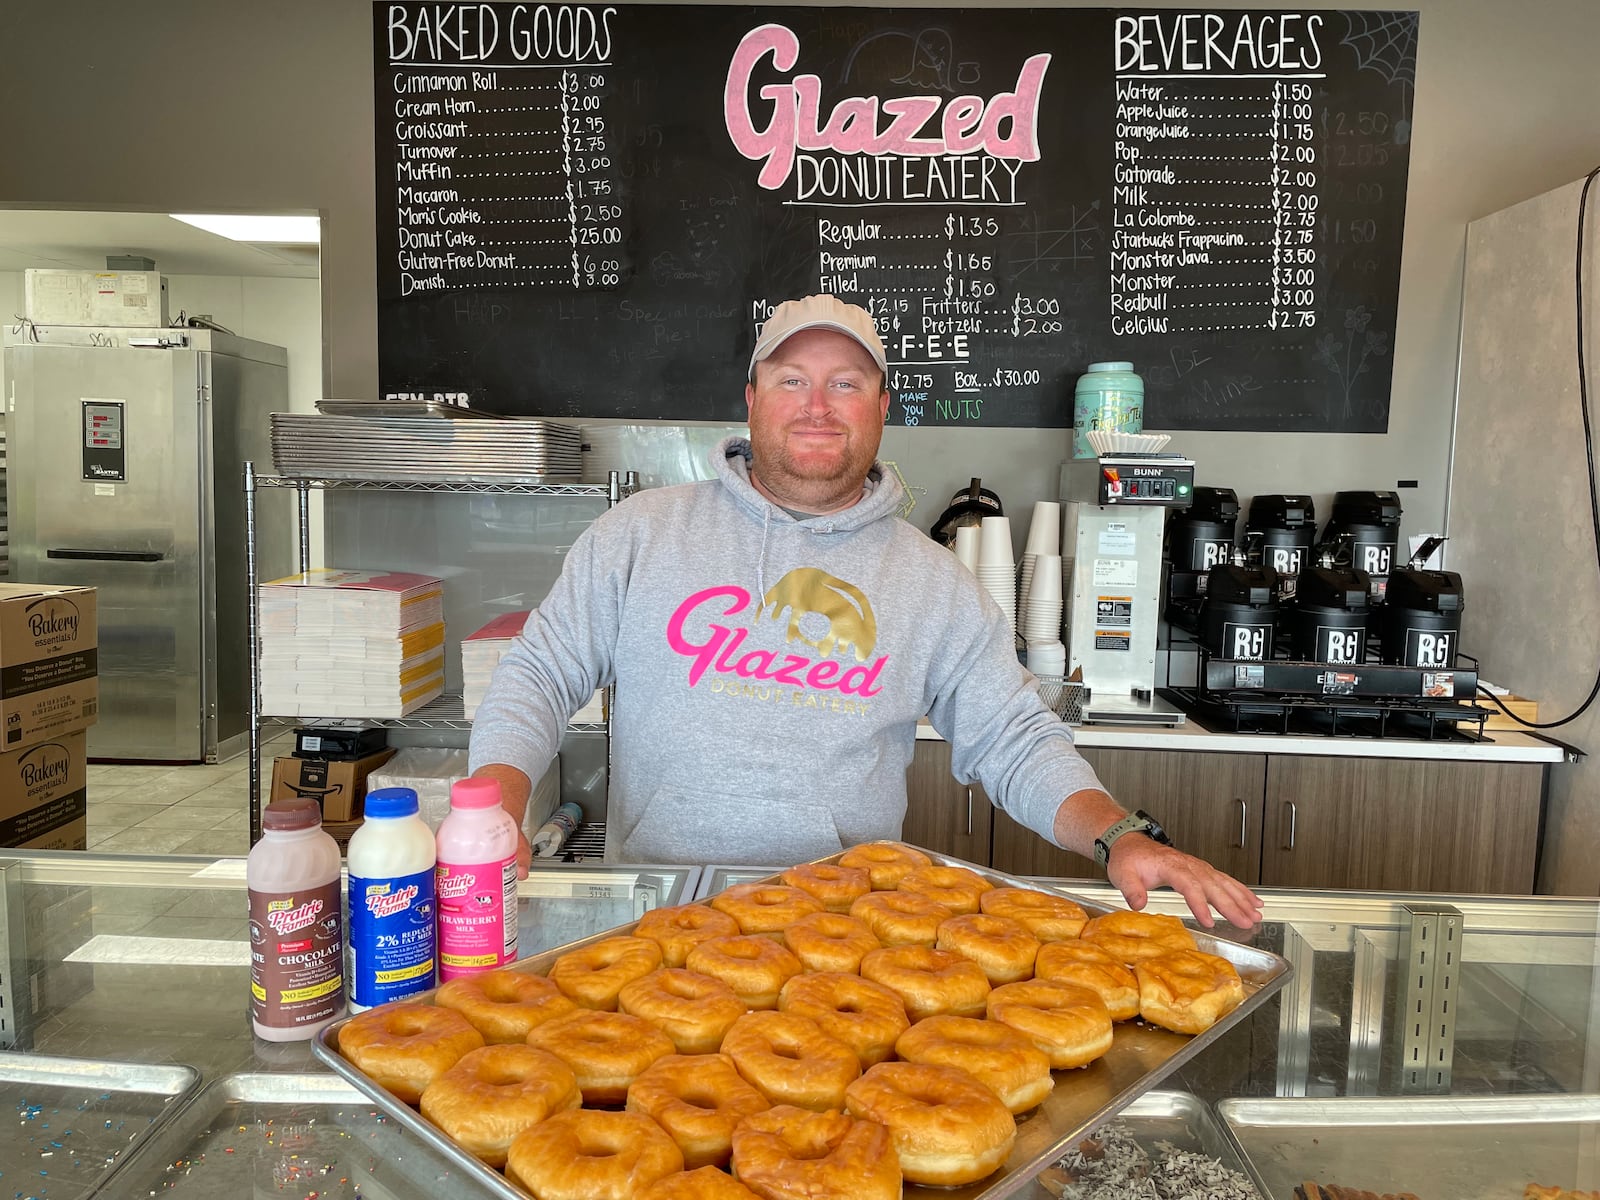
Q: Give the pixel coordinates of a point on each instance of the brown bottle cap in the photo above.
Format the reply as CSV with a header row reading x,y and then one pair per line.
x,y
291,813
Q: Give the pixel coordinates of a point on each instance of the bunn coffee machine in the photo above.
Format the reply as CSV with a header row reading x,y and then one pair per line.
x,y
1113,525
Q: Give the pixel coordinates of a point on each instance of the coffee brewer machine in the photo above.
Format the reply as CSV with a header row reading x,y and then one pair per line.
x,y
1114,520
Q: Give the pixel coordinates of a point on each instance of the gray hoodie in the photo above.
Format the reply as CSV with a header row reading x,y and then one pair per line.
x,y
770,673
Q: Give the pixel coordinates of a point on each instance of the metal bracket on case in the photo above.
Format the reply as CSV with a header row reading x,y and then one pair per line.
x,y
1429,961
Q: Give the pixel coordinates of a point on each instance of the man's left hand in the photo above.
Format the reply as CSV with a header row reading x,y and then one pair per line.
x,y
1139,864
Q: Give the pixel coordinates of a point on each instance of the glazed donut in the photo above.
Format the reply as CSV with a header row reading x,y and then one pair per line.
x,y
786,1153
697,1099
1049,917
886,863
830,941
864,1015
405,1047
1187,991
837,888
494,1093
504,1005
607,1051
703,1183
693,1010
682,927
1083,964
588,1155
790,1060
756,968
932,983
900,918
591,976
765,908
997,1056
947,1127
1130,936
1001,946
1070,1024
958,889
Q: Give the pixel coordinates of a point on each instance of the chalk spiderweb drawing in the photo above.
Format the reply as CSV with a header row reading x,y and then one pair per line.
x,y
1386,42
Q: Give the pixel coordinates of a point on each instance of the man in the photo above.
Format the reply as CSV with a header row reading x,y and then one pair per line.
x,y
774,637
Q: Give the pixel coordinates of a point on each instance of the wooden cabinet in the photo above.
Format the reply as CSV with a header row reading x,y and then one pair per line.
x,y
1402,825
941,814
1382,824
1209,803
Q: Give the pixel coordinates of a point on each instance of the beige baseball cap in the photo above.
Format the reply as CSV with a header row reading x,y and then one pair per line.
x,y
818,312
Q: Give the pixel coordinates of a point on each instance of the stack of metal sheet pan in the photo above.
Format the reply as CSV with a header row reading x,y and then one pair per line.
x,y
324,446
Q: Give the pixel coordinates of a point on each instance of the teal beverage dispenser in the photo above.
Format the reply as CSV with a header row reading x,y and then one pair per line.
x,y
1109,396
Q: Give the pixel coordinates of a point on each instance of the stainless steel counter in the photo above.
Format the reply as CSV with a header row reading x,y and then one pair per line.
x,y
143,960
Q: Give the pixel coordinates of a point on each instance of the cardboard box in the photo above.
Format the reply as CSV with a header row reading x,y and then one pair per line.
x,y
48,662
338,786
1527,709
43,794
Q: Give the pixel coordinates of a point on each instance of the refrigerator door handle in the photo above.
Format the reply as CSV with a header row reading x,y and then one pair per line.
x,y
106,555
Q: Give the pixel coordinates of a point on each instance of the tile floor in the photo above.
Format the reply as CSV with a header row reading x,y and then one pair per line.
x,y
173,810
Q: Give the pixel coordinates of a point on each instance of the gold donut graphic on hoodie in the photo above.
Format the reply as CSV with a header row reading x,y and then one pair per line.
x,y
806,591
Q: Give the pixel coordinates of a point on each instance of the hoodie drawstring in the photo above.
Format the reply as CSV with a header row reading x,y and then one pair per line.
x,y
761,561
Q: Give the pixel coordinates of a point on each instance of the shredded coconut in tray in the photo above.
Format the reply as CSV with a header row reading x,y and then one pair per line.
x,y
1111,1165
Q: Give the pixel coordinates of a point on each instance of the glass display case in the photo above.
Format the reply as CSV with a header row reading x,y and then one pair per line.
x,y
1450,1036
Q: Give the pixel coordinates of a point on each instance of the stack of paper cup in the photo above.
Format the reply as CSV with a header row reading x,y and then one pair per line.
x,y
1043,621
1047,659
996,571
967,537
1044,537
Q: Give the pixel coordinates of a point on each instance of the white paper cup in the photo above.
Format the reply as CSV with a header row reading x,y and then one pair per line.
x,y
994,544
967,537
1047,658
1044,586
1044,531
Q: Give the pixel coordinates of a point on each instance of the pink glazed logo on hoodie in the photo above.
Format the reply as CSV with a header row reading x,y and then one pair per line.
x,y
838,612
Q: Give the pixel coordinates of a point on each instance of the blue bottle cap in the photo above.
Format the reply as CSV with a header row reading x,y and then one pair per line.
x,y
391,802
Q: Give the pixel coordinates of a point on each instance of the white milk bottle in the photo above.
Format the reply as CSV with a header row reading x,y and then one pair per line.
x,y
476,881
393,938
296,923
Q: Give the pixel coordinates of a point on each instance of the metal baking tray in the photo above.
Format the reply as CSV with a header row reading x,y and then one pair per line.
x,y
1157,1120
1439,1147
76,1117
290,1135
1140,1057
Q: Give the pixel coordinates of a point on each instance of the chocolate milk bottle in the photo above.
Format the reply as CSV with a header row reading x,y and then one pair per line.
x,y
296,924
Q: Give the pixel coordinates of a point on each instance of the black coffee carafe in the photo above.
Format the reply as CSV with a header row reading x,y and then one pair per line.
x,y
1240,612
1420,623
1364,531
1279,533
1327,623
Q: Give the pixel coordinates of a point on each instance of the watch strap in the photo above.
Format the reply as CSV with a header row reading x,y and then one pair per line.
x,y
1134,822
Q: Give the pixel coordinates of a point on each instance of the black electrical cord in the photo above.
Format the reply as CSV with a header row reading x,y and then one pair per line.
x,y
1588,449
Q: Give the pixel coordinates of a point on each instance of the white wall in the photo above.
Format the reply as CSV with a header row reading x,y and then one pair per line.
x,y
1520,499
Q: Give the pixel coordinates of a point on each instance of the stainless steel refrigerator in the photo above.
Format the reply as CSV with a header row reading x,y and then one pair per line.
x,y
126,452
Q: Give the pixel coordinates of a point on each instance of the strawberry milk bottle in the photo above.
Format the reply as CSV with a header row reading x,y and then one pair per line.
x,y
296,923
476,881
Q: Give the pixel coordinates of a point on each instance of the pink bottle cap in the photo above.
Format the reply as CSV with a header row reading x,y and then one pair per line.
x,y
475,793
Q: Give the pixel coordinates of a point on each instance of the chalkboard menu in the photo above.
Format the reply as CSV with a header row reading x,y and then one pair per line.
x,y
586,210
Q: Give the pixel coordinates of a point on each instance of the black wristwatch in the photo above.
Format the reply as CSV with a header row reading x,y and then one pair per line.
x,y
1138,822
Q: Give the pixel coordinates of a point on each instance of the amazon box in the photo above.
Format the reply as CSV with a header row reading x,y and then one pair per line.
x,y
43,794
49,640
339,786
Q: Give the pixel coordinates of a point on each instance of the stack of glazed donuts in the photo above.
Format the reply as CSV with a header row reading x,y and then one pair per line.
x,y
857,1026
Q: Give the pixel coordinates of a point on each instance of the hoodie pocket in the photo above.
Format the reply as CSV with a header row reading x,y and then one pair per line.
x,y
706,827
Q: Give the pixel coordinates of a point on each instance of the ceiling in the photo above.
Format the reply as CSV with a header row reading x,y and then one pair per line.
x,y
81,240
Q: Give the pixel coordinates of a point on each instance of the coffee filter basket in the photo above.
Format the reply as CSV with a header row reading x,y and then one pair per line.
x,y
1111,441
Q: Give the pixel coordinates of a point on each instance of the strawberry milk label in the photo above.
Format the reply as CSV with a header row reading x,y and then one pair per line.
x,y
474,933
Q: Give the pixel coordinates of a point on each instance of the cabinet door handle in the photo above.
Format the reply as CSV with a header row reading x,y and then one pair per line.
x,y
1244,814
1293,813
969,811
